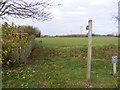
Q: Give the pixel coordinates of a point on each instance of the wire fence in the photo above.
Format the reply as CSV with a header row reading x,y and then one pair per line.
x,y
21,54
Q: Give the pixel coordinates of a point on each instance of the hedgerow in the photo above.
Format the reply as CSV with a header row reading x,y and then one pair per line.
x,y
10,41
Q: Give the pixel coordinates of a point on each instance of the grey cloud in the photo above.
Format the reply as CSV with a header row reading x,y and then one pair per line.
x,y
69,17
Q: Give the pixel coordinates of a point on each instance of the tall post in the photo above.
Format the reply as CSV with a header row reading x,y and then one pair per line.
x,y
81,30
89,49
118,44
0,57
118,17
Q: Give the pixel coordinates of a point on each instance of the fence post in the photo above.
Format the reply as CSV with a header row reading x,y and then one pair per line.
x,y
89,49
0,58
23,55
17,55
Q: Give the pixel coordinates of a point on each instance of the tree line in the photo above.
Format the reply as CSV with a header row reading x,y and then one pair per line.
x,y
30,30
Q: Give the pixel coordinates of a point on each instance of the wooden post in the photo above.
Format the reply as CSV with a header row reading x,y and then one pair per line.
x,y
114,68
89,49
0,48
17,54
0,58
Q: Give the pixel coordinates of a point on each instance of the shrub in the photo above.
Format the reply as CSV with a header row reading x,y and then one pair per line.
x,y
30,30
105,52
9,42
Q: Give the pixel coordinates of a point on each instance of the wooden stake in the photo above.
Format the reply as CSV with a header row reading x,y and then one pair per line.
x,y
114,68
0,58
89,49
0,48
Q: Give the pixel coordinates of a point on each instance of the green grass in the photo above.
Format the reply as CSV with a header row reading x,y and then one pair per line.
x,y
76,42
54,65
60,73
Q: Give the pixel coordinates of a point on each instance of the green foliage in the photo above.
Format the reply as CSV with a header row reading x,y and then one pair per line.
x,y
8,29
105,52
10,42
28,29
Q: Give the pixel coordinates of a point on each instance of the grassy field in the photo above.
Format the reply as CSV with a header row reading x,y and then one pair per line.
x,y
76,42
55,64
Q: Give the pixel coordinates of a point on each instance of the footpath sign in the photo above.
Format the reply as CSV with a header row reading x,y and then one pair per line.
x,y
114,61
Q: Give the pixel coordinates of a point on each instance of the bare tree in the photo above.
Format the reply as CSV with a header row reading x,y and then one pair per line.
x,y
35,9
117,18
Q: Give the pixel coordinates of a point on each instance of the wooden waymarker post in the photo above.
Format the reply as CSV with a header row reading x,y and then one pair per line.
x,y
89,49
114,61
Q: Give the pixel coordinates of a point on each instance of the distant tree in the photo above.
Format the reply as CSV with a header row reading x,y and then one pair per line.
x,y
93,34
26,9
110,35
46,36
38,34
28,29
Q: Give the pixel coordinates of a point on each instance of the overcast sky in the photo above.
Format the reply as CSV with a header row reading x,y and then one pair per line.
x,y
73,15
